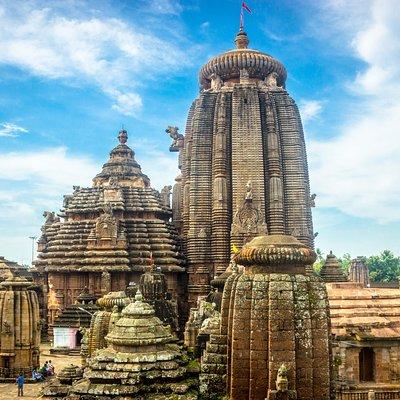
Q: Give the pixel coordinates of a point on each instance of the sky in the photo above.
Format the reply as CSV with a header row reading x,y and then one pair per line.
x,y
73,72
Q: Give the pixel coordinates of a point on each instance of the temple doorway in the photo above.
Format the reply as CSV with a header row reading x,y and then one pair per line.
x,y
367,364
78,338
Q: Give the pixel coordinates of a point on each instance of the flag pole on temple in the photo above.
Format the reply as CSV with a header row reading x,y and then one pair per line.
x,y
244,6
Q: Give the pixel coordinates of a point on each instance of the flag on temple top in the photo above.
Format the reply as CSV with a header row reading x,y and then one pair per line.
x,y
246,7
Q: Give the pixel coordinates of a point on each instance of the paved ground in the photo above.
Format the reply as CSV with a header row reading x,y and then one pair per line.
x,y
8,391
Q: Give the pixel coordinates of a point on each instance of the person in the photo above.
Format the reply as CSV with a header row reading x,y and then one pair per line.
x,y
43,370
37,376
50,368
20,383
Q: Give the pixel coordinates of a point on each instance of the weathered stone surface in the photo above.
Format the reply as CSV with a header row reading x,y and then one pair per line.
x,y
243,163
273,314
108,233
141,360
20,328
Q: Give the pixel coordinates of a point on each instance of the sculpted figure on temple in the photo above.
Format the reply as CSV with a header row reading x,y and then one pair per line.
x,y
244,75
177,138
312,200
166,195
249,191
216,82
113,182
282,379
271,80
49,216
66,200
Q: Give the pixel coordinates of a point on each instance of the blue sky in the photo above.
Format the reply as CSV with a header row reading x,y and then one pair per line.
x,y
72,72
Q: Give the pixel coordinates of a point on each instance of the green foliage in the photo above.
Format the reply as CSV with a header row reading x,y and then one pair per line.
x,y
345,262
384,267
320,261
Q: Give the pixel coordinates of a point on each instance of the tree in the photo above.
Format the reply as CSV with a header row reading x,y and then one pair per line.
x,y
345,262
320,261
384,267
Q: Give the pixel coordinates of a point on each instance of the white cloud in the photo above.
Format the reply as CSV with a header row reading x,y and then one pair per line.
x,y
165,7
358,171
309,109
31,182
104,52
11,130
53,167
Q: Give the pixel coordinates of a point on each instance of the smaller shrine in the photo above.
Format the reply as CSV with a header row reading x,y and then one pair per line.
x,y
331,270
273,338
141,361
359,272
154,289
103,321
70,325
20,328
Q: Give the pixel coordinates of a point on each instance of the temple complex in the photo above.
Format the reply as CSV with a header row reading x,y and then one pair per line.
x,y
20,327
243,163
225,268
105,235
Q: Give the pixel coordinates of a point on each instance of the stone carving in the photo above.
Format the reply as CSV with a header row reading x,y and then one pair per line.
x,y
312,200
216,82
106,282
244,75
177,138
249,191
113,182
6,329
282,383
166,195
123,136
271,80
212,318
49,216
106,224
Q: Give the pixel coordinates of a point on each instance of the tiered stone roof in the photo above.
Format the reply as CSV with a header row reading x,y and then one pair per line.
x,y
11,268
331,270
142,360
113,226
78,314
362,313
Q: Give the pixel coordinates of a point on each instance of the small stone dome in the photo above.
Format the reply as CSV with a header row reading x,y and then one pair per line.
x,y
228,65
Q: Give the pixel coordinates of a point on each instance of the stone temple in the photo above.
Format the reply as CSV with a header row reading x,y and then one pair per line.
x,y
108,233
235,246
243,162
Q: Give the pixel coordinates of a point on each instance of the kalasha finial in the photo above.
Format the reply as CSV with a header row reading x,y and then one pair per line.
x,y
138,296
123,136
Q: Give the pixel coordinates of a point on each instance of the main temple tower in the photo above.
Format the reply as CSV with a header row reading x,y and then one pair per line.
x,y
243,163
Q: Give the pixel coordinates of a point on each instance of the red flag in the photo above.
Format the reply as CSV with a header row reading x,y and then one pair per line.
x,y
246,7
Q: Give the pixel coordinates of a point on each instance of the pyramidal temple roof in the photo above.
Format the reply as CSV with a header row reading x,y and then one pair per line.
x,y
115,225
